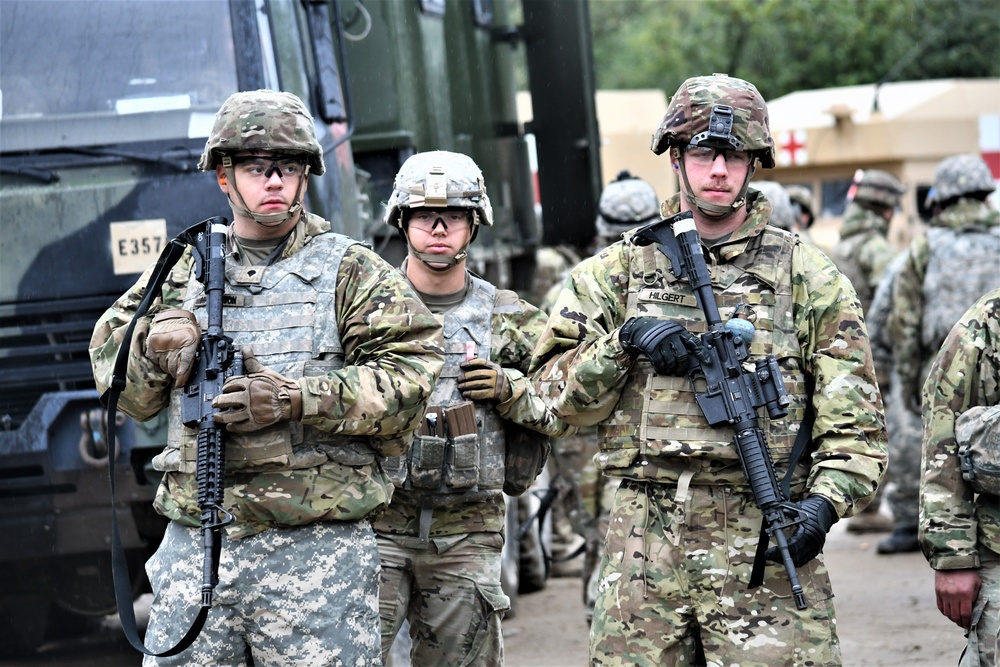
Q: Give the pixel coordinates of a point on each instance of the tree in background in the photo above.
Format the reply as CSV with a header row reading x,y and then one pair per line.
x,y
788,45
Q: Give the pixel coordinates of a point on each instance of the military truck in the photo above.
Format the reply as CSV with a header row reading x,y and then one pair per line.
x,y
104,110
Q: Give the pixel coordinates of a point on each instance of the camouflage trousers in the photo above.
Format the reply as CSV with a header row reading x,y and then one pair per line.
x,y
904,429
302,596
450,593
983,648
673,587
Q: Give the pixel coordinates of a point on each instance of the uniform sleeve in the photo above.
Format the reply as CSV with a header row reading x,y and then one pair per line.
x,y
878,254
147,388
517,325
392,349
905,319
849,441
579,368
964,374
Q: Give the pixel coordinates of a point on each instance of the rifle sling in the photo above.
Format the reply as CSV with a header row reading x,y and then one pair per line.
x,y
801,440
119,566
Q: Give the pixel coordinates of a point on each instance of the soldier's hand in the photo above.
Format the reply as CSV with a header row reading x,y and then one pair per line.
x,y
172,343
258,399
817,515
956,592
668,345
483,380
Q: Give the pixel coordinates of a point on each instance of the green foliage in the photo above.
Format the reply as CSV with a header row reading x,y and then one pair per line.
x,y
787,45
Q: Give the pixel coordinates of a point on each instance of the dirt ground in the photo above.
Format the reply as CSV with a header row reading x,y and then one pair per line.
x,y
886,613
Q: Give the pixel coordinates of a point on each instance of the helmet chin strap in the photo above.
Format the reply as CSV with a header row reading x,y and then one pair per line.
x,y
428,258
711,209
268,220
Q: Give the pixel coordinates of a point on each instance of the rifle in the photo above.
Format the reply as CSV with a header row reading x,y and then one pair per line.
x,y
216,361
733,393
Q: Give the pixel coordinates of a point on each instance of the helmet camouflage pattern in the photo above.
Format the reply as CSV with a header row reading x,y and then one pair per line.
x,y
880,188
264,120
733,107
439,179
801,196
625,203
782,213
962,175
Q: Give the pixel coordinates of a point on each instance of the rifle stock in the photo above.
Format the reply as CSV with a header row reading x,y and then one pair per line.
x,y
733,393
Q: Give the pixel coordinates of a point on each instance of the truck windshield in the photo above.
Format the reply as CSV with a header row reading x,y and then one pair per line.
x,y
91,72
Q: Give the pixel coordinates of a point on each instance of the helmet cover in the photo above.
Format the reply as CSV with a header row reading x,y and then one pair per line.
x,y
263,120
439,179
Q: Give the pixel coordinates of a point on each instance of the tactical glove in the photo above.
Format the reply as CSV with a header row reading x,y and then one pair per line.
x,y
483,380
667,344
172,343
817,515
258,399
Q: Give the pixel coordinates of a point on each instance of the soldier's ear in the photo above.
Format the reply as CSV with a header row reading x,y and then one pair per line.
x,y
220,174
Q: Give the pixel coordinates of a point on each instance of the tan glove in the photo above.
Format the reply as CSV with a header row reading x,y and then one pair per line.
x,y
259,399
483,380
172,343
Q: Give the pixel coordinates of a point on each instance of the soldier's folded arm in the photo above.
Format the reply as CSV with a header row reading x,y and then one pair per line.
x,y
392,350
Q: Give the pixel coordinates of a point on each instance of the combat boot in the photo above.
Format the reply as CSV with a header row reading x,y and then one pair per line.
x,y
902,540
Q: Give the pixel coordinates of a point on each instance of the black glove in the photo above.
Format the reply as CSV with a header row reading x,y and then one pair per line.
x,y
817,515
667,344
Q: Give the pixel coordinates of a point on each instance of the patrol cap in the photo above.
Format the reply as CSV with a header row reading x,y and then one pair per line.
x,y
265,120
718,111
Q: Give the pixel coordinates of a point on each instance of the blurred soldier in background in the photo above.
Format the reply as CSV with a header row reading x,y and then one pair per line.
x,y
947,270
960,484
441,538
802,202
782,213
862,254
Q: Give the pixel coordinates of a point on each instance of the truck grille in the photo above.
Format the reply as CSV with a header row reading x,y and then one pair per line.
x,y
43,348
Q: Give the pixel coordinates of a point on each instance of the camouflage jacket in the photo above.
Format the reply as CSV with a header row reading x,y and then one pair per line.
x,y
863,252
392,357
965,373
907,321
580,366
516,327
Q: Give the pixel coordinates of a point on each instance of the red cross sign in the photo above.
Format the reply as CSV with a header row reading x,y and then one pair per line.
x,y
792,148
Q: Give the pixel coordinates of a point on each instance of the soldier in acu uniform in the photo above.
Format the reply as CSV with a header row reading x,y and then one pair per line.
x,y
947,270
340,359
441,538
960,478
684,527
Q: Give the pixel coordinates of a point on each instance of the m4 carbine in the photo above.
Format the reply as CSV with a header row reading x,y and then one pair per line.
x,y
734,393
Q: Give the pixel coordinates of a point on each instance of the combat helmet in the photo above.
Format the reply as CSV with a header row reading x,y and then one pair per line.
x,y
878,188
626,202
263,120
802,199
782,213
962,176
439,179
717,111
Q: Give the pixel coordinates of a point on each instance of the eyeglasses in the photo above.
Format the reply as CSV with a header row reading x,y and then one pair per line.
x,y
427,219
705,155
258,167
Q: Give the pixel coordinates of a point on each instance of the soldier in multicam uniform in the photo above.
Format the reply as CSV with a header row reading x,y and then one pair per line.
x,y
948,269
341,357
863,251
684,526
862,254
959,509
441,537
